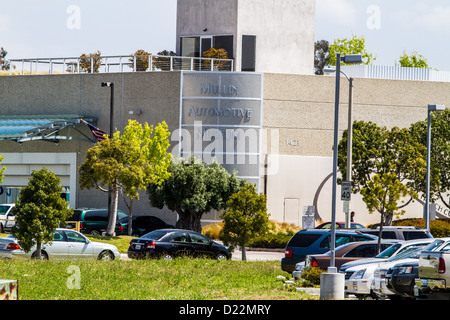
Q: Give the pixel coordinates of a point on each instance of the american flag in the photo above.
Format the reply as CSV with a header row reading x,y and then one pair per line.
x,y
98,134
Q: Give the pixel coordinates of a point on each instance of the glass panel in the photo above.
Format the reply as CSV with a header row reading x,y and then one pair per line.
x,y
248,62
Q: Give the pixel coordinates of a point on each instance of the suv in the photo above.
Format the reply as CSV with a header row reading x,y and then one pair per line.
x,y
316,241
7,219
93,221
400,233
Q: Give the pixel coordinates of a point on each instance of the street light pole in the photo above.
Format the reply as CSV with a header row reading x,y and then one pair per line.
x,y
111,132
332,268
431,108
349,148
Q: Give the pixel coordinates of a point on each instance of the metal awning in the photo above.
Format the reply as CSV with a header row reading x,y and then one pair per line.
x,y
43,127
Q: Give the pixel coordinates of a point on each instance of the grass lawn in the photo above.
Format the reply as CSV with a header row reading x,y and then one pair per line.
x,y
180,279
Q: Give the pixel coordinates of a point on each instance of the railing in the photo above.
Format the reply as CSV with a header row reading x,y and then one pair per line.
x,y
107,64
396,73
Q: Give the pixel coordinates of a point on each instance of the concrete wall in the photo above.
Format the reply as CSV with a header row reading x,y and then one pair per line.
x,y
284,29
301,109
156,94
298,120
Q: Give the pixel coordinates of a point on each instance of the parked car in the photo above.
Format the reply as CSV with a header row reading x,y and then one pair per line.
x,y
170,243
316,241
348,252
396,249
359,280
7,219
401,279
66,244
340,225
142,225
94,221
401,233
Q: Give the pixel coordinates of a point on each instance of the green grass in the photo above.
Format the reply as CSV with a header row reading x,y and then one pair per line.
x,y
182,278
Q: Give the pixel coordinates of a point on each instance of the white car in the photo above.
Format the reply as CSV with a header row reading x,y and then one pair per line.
x,y
392,251
66,244
360,279
7,219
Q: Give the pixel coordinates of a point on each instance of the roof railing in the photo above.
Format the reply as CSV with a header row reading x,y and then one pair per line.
x,y
109,64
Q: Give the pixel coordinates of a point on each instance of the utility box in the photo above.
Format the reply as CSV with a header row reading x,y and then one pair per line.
x,y
9,290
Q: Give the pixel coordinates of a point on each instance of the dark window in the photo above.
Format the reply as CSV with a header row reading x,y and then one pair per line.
x,y
303,240
96,215
76,216
411,235
179,237
363,251
248,62
155,235
225,42
340,240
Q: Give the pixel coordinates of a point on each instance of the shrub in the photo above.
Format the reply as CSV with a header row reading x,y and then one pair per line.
x,y
312,276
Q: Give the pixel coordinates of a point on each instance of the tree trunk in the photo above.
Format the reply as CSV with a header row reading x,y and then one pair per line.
x,y
110,230
244,252
189,220
38,254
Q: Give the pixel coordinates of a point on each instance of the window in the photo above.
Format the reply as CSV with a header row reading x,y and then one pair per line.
x,y
190,46
74,236
58,235
248,60
179,237
226,43
340,240
412,235
303,240
198,238
363,251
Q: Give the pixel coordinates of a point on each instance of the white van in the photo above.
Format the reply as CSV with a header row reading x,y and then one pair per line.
x,y
7,219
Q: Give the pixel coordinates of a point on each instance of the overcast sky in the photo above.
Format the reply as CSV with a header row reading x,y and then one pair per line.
x,y
58,28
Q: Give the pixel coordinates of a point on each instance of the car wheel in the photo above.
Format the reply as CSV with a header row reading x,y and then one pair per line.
x,y
221,256
95,232
44,255
106,255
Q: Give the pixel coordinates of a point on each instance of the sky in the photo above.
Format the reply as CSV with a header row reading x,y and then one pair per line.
x,y
68,28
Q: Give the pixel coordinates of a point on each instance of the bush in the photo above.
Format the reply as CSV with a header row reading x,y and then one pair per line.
x,y
278,236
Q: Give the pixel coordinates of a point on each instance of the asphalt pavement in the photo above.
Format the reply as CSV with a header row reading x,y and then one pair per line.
x,y
252,255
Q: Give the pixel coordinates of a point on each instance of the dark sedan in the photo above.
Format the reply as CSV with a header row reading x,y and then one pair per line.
x,y
170,243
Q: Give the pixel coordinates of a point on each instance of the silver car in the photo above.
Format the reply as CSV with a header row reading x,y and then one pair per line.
x,y
66,244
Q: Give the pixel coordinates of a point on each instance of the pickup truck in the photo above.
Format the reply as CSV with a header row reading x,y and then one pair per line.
x,y
434,272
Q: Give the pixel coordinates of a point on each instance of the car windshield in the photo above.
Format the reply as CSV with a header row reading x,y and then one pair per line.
x,y
409,253
388,252
4,209
155,235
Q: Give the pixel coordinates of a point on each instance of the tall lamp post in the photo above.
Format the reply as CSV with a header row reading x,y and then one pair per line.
x,y
332,283
348,176
111,132
431,108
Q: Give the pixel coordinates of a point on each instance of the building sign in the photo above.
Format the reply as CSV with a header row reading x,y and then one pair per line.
x,y
221,119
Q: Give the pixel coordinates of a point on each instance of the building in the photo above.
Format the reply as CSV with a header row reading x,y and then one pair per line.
x,y
274,126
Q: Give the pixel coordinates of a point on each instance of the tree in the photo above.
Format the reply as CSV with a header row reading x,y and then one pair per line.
x,y
91,62
414,60
440,154
129,162
39,211
214,53
321,56
193,189
382,159
4,65
163,63
140,60
245,218
354,45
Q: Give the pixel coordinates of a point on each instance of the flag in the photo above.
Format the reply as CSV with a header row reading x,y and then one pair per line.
x,y
98,134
